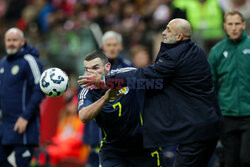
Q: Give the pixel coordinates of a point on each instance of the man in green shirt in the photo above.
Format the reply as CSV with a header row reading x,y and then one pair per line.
x,y
230,65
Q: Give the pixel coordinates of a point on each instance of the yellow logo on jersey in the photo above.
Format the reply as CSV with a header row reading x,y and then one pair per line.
x,y
124,90
15,70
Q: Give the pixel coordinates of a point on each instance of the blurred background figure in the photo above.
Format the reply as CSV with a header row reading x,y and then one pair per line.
x,y
206,18
153,17
140,56
112,46
20,97
243,6
67,142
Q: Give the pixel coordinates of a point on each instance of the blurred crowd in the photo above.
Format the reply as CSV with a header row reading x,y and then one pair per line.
x,y
66,30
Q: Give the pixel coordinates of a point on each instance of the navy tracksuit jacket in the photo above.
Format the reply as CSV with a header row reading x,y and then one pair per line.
x,y
20,95
185,110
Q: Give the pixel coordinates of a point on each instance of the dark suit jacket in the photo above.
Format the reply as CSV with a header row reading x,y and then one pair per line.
x,y
185,110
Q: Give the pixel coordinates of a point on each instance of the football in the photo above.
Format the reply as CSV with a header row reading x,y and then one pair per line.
x,y
54,82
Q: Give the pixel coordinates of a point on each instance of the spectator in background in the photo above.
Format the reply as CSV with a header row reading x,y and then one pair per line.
x,y
29,14
140,56
230,61
161,11
240,5
243,6
14,10
67,142
112,46
206,18
20,96
154,15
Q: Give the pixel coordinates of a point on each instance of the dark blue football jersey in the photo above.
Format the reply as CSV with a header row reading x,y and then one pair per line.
x,y
120,120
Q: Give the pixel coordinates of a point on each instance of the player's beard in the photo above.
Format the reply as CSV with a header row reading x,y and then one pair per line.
x,y
12,51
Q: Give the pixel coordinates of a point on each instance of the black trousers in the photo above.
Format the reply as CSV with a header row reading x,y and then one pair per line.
x,y
236,141
23,155
195,154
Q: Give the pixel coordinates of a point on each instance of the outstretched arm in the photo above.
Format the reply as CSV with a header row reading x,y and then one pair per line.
x,y
91,111
164,67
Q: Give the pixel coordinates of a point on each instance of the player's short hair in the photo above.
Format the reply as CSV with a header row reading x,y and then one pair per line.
x,y
231,13
111,34
97,54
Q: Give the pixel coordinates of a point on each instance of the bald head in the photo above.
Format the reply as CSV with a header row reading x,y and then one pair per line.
x,y
14,40
177,30
182,26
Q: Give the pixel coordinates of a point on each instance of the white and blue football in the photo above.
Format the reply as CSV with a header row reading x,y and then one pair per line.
x,y
54,82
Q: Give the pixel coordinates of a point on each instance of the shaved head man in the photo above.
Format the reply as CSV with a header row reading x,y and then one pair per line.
x,y
177,30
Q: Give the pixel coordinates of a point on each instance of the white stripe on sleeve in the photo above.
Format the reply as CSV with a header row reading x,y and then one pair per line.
x,y
34,67
83,93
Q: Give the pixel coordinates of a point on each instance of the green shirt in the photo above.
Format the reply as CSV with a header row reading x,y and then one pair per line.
x,y
230,65
206,16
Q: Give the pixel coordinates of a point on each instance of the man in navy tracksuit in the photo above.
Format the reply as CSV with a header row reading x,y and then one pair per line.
x,y
185,112
20,96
